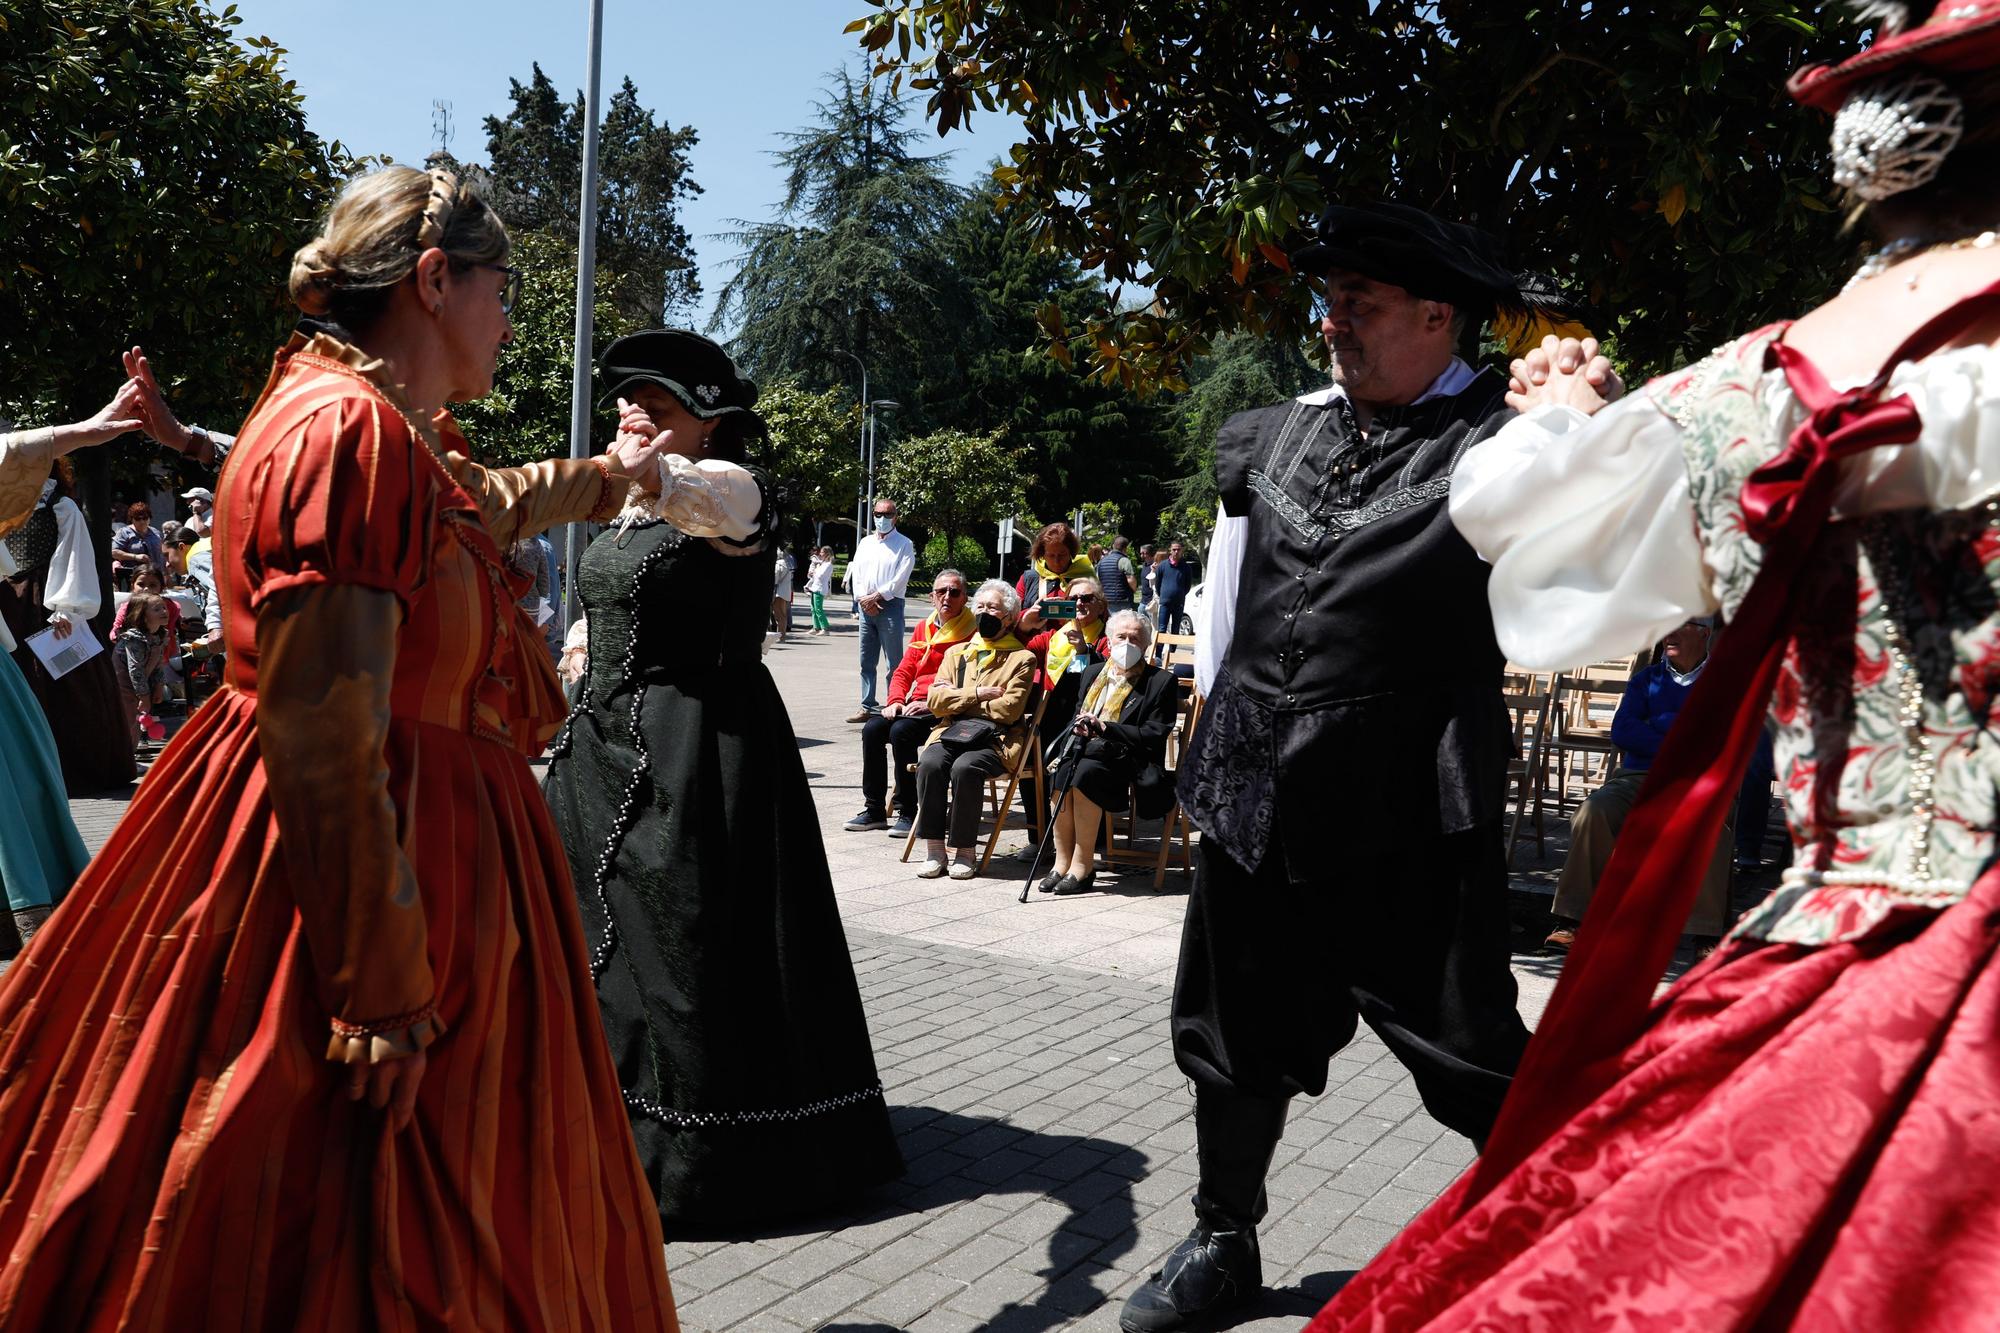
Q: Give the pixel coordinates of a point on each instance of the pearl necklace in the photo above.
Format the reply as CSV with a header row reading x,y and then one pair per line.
x,y
1909,247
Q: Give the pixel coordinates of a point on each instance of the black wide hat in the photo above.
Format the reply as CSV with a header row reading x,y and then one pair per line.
x,y
692,368
1423,254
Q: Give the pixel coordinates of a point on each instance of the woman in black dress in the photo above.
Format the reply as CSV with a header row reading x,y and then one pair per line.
x,y
722,970
1117,744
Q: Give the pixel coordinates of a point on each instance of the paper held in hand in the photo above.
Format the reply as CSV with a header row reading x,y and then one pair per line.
x,y
62,656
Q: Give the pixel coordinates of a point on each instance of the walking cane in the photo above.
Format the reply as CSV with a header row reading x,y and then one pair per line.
x,y
1067,755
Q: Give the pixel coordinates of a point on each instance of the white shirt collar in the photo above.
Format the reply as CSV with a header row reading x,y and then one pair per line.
x,y
1683,678
1456,376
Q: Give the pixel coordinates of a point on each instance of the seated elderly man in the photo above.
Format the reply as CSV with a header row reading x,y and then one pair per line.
x,y
905,721
1117,747
1652,701
980,700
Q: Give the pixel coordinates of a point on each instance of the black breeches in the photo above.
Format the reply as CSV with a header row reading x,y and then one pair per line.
x,y
1409,934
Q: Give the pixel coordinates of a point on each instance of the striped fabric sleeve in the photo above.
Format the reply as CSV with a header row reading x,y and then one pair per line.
x,y
347,496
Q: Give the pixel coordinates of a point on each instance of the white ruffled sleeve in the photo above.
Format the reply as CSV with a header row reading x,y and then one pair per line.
x,y
1589,529
1216,622
72,588
709,497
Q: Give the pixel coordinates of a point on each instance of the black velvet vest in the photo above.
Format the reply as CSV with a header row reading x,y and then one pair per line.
x,y
1363,677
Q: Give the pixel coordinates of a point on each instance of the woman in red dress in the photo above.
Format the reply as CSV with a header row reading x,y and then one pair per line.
x,y
312,1044
1804,1132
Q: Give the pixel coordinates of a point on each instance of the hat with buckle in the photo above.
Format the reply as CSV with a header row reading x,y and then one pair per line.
x,y
694,369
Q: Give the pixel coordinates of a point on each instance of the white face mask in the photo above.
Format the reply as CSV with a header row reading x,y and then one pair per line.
x,y
1125,654
884,522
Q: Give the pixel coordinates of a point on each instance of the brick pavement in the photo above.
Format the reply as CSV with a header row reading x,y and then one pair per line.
x,y
1048,1134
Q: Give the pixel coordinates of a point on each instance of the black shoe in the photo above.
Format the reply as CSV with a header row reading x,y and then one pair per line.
x,y
901,828
1071,884
867,819
1208,1273
1047,883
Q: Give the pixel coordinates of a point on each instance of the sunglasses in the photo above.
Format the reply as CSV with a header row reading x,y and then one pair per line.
x,y
511,291
947,592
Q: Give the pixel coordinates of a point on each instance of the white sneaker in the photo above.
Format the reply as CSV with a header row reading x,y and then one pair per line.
x,y
932,869
963,870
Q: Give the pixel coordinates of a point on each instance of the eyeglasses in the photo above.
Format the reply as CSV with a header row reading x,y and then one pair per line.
x,y
511,291
947,592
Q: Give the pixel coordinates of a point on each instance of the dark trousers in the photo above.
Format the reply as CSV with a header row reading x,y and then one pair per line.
x,y
951,793
1411,936
903,737
1171,614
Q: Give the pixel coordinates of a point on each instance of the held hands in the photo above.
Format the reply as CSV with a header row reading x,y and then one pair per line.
x,y
637,447
1563,372
1087,726
60,623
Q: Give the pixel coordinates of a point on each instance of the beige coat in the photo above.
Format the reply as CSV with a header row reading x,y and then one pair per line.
x,y
1013,673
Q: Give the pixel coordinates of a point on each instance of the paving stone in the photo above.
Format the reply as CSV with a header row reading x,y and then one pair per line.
x,y
1049,1137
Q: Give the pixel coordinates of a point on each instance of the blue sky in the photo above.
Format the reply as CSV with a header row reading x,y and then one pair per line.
x,y
739,71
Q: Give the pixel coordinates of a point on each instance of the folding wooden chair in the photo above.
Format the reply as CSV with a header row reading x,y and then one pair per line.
x,y
1530,698
1000,805
1580,726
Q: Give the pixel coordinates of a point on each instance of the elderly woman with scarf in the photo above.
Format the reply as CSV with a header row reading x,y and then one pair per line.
x,y
1117,747
904,723
980,699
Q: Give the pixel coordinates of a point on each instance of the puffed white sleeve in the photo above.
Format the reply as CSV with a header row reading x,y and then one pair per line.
x,y
1217,621
72,588
1590,531
709,497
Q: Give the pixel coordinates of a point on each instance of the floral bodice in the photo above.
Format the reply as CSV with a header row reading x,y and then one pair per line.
x,y
1885,695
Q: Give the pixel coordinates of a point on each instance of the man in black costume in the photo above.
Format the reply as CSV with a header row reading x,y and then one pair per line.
x,y
1350,772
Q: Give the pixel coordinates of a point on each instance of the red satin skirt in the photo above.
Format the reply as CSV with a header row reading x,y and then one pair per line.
x,y
1804,1138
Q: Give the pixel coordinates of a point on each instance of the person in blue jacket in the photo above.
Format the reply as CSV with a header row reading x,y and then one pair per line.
x,y
1653,699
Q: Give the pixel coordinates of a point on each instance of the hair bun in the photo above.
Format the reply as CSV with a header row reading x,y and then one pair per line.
x,y
313,272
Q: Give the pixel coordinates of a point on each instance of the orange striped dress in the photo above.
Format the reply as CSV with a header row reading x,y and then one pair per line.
x,y
177,1150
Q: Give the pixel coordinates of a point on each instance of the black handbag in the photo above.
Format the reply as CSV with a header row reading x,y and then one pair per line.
x,y
966,734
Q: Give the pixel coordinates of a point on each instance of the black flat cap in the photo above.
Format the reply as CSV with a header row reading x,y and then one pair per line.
x,y
1406,247
692,368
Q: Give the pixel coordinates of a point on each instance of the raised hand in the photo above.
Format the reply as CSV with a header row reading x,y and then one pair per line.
x,y
158,420
115,418
1563,372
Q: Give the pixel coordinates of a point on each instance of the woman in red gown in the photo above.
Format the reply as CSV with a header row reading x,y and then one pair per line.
x,y
1804,1132
312,1044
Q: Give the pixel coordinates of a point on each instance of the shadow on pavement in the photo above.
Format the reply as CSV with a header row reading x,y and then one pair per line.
x,y
955,1158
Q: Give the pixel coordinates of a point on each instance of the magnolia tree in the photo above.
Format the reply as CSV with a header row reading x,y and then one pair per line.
x,y
1645,154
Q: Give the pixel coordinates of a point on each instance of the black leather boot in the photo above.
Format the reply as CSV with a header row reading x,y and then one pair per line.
x,y
1217,1267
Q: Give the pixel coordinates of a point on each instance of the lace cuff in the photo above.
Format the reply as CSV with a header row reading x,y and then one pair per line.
x,y
390,1039
708,498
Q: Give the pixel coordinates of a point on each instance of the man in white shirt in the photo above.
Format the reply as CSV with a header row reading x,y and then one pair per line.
x,y
878,576
200,503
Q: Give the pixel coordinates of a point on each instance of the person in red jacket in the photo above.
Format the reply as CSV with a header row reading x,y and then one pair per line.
x,y
904,723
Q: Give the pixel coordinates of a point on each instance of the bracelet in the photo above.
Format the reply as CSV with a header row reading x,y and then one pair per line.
x,y
400,1021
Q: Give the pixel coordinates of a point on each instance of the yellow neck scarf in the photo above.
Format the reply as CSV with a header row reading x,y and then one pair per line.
x,y
1051,573
1120,689
1061,650
985,650
956,630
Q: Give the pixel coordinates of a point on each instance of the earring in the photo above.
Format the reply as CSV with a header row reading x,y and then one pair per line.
x,y
438,309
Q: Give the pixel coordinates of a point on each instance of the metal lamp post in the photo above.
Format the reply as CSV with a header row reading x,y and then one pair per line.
x,y
886,405
586,287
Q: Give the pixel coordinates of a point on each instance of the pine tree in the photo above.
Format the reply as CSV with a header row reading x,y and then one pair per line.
x,y
643,176
852,264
